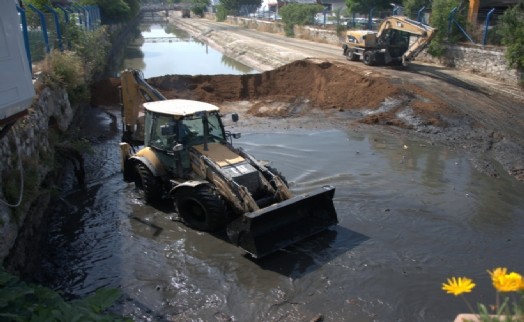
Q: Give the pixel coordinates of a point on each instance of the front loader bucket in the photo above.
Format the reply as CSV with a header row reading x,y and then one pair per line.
x,y
272,228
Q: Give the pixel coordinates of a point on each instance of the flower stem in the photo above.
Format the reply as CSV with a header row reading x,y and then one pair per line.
x,y
468,304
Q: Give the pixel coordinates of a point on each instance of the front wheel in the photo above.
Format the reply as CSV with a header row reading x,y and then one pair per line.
x,y
201,208
368,58
147,184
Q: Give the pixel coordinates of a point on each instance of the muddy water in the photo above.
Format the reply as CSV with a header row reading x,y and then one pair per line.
x,y
163,49
410,214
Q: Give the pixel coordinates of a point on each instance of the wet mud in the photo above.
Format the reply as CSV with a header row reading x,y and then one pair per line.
x,y
306,87
410,215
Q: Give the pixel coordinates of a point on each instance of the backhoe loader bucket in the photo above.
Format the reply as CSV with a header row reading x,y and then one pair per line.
x,y
272,228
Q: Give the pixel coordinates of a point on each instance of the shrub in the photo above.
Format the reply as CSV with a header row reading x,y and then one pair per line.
x,y
298,14
440,20
221,14
65,69
511,30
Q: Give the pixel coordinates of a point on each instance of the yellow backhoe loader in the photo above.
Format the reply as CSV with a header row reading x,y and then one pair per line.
x,y
391,44
185,154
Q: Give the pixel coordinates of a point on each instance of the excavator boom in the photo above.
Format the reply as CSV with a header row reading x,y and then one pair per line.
x,y
424,32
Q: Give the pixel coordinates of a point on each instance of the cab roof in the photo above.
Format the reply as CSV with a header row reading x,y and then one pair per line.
x,y
179,107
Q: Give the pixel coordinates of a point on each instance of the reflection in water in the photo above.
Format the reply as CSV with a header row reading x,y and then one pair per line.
x,y
164,50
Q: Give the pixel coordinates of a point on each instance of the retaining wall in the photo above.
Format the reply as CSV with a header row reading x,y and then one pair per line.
x,y
28,143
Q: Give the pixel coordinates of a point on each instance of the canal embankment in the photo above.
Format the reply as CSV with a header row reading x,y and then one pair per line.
x,y
486,61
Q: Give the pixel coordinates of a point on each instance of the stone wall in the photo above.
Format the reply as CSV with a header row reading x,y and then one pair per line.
x,y
27,144
485,61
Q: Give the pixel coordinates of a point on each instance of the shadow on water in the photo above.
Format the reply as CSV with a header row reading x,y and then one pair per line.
x,y
294,261
312,253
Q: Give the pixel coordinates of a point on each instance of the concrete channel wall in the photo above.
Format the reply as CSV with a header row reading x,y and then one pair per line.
x,y
485,61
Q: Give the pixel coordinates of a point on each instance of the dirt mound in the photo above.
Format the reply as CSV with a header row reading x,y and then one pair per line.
x,y
320,84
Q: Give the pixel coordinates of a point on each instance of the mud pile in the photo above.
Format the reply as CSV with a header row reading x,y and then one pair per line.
x,y
319,84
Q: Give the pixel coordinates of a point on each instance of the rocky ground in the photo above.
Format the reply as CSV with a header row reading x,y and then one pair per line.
x,y
307,84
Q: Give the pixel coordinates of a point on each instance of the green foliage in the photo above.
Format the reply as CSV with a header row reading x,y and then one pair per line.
x,y
234,6
115,11
298,14
20,301
39,4
65,70
199,6
440,20
364,6
92,47
411,7
511,30
221,13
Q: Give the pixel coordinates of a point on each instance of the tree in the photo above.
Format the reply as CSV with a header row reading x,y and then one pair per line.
x,y
364,6
115,11
236,6
298,14
199,6
411,7
440,20
511,29
39,4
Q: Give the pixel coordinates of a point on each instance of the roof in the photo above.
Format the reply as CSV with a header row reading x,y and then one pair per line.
x,y
179,107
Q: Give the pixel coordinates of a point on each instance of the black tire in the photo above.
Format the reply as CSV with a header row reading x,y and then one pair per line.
x,y
350,55
201,208
368,58
149,186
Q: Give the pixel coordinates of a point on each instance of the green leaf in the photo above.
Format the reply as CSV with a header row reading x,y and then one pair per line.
x,y
102,299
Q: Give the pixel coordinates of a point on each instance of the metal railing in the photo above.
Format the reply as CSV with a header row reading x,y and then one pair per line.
x,y
49,29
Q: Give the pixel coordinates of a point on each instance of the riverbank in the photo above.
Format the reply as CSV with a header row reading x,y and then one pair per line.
x,y
438,105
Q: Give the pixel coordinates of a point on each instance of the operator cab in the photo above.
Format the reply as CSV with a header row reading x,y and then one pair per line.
x,y
173,124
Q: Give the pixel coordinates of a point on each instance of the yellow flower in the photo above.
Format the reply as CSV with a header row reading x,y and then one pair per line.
x,y
504,282
457,286
498,272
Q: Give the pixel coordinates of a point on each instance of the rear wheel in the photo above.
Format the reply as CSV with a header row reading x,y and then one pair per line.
x,y
368,58
147,184
201,208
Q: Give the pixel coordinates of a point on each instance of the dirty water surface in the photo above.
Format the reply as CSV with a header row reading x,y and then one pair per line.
x,y
410,215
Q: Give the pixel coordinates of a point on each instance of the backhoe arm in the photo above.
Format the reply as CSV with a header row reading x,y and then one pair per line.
x,y
424,32
135,91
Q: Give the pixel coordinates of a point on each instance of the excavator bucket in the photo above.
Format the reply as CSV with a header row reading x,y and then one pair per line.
x,y
272,228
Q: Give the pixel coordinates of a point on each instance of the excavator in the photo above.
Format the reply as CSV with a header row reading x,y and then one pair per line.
x,y
390,44
179,150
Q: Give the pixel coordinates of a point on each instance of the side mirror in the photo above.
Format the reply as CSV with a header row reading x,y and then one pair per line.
x,y
234,117
178,147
